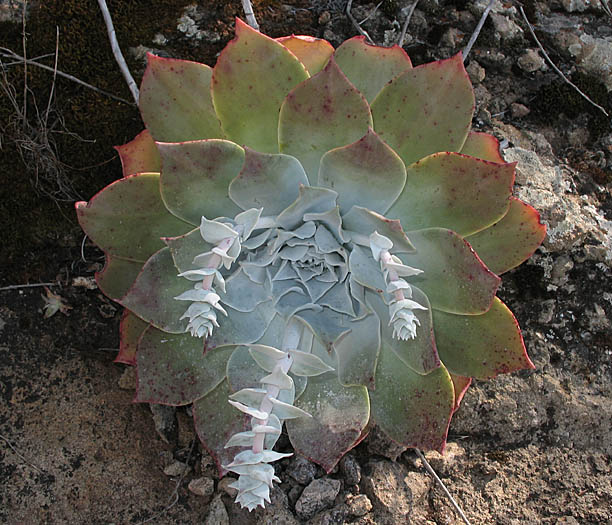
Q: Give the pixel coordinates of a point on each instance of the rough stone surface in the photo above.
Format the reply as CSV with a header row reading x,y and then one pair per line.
x,y
202,486
318,495
358,505
385,484
381,445
165,421
217,514
302,470
531,61
351,470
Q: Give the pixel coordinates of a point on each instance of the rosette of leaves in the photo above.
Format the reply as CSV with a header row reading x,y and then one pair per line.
x,y
316,236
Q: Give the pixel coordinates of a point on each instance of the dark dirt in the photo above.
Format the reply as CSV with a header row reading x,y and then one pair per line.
x,y
534,447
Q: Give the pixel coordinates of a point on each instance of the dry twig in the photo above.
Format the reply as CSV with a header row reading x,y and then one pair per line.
x,y
483,18
433,474
117,50
250,15
20,456
400,42
19,286
557,70
362,31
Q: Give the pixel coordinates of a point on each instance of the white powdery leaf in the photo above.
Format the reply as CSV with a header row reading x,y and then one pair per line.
x,y
378,244
278,378
253,412
214,232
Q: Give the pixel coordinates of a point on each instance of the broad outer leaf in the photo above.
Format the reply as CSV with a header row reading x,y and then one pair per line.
x,y
482,146
253,75
419,354
426,109
454,191
216,421
312,52
128,218
323,113
117,276
510,241
365,173
175,101
481,346
268,181
130,329
152,296
460,384
195,177
412,409
140,155
369,67
454,279
339,415
174,370
184,249
357,352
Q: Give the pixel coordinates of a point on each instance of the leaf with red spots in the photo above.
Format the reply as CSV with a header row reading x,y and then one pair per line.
x,y
152,295
510,241
369,67
322,113
216,421
269,181
339,416
312,52
252,76
140,155
365,173
412,409
454,279
454,191
425,110
117,276
481,346
175,101
195,177
130,330
482,146
460,384
173,369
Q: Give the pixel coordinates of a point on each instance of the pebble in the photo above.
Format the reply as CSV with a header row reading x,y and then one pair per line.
x,y
531,61
358,505
350,470
128,380
176,469
381,445
476,72
519,110
317,496
301,470
217,515
202,486
224,486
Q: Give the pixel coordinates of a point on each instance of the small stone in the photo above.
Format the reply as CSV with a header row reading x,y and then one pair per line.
x,y
160,40
358,505
301,470
444,463
384,482
324,18
380,444
202,486
518,110
506,28
224,487
186,431
217,515
164,420
452,38
476,72
317,496
531,61
176,469
572,6
128,381
350,470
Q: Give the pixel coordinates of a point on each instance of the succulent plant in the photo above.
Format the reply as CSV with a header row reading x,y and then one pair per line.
x,y
310,236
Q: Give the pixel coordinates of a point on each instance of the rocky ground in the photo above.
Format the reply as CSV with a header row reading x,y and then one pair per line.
x,y
534,447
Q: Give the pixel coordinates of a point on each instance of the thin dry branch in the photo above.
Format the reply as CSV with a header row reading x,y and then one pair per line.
x,y
362,31
557,70
483,18
20,286
117,51
433,474
250,15
400,42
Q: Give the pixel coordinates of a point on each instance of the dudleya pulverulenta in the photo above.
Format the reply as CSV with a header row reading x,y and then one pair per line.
x,y
315,236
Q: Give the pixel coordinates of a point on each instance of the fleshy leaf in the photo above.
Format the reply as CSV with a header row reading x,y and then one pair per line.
x,y
268,181
365,173
369,67
481,346
174,370
175,101
460,385
357,352
243,294
419,354
310,200
184,249
482,146
454,279
128,218
117,276
454,191
322,113
140,155
308,365
426,109
216,421
253,75
312,52
410,408
130,329
365,270
196,175
339,415
510,241
152,296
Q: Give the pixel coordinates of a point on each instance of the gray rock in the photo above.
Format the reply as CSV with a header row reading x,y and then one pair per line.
x,y
176,469
519,110
350,469
128,381
594,56
202,486
531,61
381,445
301,470
358,505
317,496
217,515
572,6
277,511
224,486
384,482
505,27
476,72
164,420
